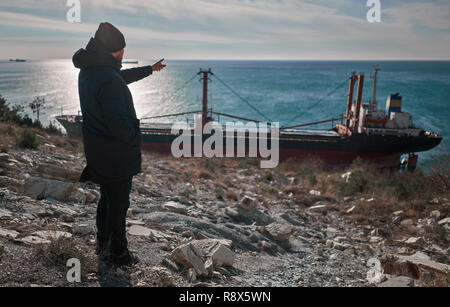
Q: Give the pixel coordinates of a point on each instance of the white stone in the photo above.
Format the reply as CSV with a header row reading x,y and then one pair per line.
x,y
223,256
8,233
174,207
415,241
138,230
315,193
5,214
59,190
190,257
444,221
351,209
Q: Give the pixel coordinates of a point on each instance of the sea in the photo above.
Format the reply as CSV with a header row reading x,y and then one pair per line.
x,y
288,92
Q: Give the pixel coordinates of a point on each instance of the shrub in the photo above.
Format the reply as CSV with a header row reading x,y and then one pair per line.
x,y
59,251
268,176
220,194
27,139
209,165
312,180
358,183
248,162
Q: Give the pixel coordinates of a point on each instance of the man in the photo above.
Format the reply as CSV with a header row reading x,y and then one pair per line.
x,y
111,135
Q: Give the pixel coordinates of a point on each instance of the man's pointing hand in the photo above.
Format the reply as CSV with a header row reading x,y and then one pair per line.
x,y
158,65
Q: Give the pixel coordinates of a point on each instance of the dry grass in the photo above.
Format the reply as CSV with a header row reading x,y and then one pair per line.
x,y
59,251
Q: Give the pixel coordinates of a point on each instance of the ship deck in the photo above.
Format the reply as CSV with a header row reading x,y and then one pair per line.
x,y
149,127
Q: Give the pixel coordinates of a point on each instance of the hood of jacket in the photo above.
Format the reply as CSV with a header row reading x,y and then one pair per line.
x,y
94,55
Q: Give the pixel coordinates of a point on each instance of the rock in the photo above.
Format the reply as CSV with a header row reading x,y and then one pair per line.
x,y
436,214
11,234
231,212
351,209
341,246
406,223
346,176
52,171
209,266
135,222
46,188
12,184
329,244
190,257
2,250
82,229
171,264
67,218
266,245
280,232
339,239
398,281
397,213
187,234
5,214
419,267
248,201
315,193
318,208
45,236
444,221
191,275
208,245
396,220
137,230
92,196
434,201
331,231
379,232
222,256
415,241
174,207
4,157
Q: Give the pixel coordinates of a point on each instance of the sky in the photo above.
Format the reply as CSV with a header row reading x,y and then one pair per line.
x,y
232,29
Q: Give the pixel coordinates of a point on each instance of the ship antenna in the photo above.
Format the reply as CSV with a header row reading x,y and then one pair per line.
x,y
374,89
205,78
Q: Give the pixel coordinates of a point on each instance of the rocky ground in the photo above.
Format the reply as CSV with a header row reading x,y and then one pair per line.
x,y
209,223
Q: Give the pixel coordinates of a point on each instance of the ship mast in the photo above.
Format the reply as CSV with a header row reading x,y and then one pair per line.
x,y
374,89
205,78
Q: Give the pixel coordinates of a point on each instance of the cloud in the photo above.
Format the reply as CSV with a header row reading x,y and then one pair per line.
x,y
264,28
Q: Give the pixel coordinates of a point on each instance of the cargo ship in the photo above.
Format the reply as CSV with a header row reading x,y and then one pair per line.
x,y
381,136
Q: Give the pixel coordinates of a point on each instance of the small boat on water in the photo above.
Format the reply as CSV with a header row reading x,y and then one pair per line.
x,y
380,136
17,60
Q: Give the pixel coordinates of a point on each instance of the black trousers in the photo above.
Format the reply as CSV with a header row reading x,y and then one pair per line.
x,y
111,214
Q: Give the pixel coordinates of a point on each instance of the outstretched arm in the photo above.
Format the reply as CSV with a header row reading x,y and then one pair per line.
x,y
135,74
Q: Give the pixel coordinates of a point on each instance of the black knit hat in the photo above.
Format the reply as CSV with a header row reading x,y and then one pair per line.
x,y
110,37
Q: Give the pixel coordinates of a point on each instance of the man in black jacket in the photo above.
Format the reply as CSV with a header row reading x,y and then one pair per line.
x,y
111,135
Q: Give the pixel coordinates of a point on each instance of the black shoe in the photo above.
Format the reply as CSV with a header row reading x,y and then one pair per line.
x,y
125,258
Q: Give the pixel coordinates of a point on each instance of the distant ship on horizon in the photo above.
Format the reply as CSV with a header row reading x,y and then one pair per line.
x,y
17,60
130,62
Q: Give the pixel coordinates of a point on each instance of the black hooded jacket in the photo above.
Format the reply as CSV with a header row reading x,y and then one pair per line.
x,y
111,135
